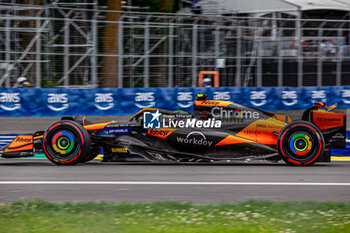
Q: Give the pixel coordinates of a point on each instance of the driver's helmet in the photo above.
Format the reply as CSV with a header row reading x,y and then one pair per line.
x,y
207,82
23,82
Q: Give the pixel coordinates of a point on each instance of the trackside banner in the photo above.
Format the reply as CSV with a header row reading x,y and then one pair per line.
x,y
126,101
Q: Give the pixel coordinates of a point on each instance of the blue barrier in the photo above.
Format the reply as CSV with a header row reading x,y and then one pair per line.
x,y
125,101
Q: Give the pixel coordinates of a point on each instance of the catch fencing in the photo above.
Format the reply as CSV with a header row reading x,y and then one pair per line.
x,y
56,46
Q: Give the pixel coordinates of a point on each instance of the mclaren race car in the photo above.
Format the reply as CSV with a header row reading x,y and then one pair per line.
x,y
217,131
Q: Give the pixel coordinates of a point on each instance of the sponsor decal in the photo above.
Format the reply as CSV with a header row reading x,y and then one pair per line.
x,y
258,98
289,98
221,95
184,99
156,120
221,112
204,114
318,96
24,139
115,131
10,101
151,120
145,99
191,123
195,138
328,119
346,96
57,102
104,101
37,141
119,124
119,150
338,135
159,132
210,102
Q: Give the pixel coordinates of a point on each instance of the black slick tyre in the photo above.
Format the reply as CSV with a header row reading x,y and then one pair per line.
x,y
66,142
300,143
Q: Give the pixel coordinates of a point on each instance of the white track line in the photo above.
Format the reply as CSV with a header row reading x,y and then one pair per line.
x,y
174,183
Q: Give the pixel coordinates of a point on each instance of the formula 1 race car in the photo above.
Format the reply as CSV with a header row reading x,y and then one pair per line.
x,y
217,131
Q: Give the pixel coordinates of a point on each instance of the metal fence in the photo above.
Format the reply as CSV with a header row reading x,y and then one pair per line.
x,y
56,46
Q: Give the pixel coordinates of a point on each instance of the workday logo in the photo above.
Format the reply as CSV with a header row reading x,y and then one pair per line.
x,y
195,138
184,99
57,102
145,99
104,101
221,95
258,98
151,120
289,98
318,96
10,101
346,96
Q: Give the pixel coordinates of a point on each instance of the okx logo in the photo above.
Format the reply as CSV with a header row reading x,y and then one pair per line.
x,y
151,120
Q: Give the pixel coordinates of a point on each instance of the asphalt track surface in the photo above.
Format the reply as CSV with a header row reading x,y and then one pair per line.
x,y
113,182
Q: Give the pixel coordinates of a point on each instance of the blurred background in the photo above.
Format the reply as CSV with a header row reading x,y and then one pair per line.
x,y
166,43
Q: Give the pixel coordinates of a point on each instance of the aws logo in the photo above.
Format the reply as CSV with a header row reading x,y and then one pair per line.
x,y
145,99
224,95
346,96
10,101
319,96
289,98
258,98
104,101
184,99
57,102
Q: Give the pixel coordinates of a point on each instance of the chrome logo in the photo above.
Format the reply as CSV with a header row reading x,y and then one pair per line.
x,y
63,142
300,144
236,114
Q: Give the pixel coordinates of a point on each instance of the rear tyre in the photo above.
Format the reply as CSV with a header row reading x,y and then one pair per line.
x,y
300,143
66,142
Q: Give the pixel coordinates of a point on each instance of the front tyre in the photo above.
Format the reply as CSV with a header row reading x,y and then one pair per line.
x,y
300,143
66,142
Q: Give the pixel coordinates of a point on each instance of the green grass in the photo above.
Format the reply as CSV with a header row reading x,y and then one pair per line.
x,y
251,216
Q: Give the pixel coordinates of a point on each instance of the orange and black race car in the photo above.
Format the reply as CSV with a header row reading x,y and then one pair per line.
x,y
217,131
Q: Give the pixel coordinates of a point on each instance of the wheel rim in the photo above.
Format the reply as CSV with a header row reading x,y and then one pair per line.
x,y
300,144
62,143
